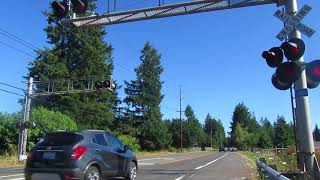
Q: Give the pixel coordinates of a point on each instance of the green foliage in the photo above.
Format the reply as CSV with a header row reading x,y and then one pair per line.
x,y
9,131
47,121
193,132
283,133
241,116
143,101
264,141
132,142
216,129
316,133
155,136
75,54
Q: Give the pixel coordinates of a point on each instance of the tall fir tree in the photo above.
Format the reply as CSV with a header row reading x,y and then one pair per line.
x,y
241,116
283,133
316,133
143,101
76,54
215,128
194,134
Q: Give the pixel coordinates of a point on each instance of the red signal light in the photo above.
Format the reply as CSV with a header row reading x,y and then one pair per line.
x,y
60,9
293,49
313,72
288,72
274,56
79,6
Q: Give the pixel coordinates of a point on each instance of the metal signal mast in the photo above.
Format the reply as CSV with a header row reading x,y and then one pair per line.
x,y
306,151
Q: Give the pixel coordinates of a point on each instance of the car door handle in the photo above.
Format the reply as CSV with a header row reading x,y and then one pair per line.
x,y
98,150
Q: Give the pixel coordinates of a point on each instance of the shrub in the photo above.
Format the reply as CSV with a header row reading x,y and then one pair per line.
x,y
47,121
131,142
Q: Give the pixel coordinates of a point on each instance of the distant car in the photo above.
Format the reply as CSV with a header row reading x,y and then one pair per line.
x,y
221,149
85,155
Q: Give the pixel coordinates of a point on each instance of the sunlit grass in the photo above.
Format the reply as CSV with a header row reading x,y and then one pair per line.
x,y
10,161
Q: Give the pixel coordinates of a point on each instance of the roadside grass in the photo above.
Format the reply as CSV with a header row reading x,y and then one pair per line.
x,y
10,161
285,162
251,163
162,153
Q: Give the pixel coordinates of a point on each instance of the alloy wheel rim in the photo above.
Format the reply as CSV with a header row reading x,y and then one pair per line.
x,y
93,175
133,173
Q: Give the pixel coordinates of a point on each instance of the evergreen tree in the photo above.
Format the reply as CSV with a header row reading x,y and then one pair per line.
x,y
283,133
143,101
266,135
316,133
241,116
214,128
194,133
175,132
76,54
240,137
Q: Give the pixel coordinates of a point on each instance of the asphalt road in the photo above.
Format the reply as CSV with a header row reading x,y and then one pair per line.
x,y
195,166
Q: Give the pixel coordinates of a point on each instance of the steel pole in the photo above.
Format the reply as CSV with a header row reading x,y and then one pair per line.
x,y
303,120
24,131
180,121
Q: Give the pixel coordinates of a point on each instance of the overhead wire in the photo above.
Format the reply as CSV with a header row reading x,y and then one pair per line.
x,y
21,51
12,86
17,39
11,92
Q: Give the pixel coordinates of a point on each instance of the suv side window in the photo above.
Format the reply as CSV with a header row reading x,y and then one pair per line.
x,y
113,141
99,139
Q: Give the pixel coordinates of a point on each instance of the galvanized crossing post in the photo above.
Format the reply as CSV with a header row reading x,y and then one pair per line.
x,y
306,153
24,130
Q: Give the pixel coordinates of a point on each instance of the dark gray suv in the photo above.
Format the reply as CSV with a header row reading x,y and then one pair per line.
x,y
85,155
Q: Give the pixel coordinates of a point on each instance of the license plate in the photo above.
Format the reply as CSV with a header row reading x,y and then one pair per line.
x,y
49,155
42,176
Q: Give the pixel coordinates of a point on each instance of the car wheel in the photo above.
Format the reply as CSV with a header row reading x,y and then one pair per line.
x,y
92,173
132,173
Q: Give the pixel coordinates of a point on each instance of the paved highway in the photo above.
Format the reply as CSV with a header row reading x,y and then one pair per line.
x,y
187,166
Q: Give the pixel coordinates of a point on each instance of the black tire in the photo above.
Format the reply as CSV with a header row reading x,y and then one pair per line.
x,y
132,171
92,173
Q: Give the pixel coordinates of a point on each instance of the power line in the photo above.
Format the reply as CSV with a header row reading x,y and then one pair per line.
x,y
12,86
17,39
11,92
23,52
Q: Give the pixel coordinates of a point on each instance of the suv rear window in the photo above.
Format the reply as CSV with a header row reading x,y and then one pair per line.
x,y
60,139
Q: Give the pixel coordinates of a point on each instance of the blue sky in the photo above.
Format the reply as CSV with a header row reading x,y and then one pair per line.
x,y
215,56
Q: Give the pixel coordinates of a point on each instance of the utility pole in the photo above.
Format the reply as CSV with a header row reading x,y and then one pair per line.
x,y
24,130
180,111
211,133
307,161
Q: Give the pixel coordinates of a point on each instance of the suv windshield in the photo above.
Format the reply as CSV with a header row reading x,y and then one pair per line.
x,y
60,139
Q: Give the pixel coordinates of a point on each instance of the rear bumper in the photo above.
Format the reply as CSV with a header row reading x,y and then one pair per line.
x,y
44,173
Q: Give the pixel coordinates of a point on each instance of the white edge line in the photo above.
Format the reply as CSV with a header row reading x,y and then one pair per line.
x,y
17,179
11,175
211,162
179,178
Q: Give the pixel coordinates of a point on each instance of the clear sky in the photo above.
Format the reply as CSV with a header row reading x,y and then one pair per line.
x,y
215,56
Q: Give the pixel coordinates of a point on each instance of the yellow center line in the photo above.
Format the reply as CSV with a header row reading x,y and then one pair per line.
x,y
172,161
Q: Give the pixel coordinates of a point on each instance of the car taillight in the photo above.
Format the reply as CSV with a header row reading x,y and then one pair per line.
x,y
69,175
78,152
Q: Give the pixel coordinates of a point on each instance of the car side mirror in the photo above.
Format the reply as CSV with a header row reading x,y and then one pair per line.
x,y
125,148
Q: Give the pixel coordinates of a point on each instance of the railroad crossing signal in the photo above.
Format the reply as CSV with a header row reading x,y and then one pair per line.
x,y
292,22
289,72
61,7
313,74
106,84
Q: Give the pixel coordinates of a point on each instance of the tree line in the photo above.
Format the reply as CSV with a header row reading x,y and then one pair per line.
x,y
247,132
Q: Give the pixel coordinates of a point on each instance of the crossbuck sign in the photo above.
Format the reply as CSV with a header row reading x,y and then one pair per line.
x,y
292,22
